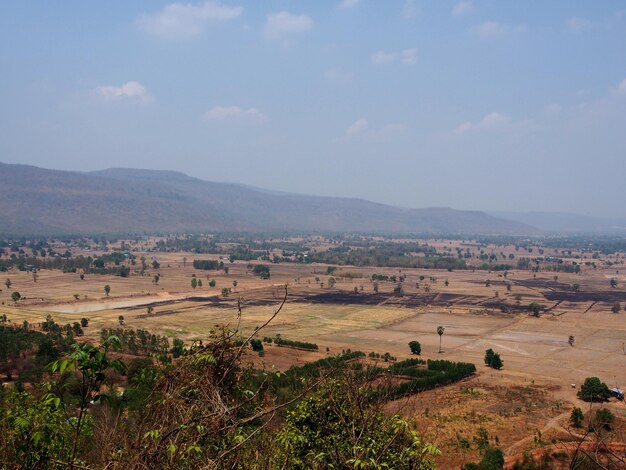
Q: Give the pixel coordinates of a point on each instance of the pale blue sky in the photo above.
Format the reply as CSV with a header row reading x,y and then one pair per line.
x,y
492,105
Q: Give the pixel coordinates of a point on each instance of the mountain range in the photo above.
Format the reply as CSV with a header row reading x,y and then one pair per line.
x,y
37,201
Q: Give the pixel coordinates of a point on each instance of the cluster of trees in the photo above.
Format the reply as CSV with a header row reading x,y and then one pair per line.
x,y
279,341
206,265
493,360
262,270
137,341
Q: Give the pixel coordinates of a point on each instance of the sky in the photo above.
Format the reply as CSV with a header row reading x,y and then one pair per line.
x,y
483,105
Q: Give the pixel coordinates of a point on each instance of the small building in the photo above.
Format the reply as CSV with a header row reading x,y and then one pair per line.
x,y
617,393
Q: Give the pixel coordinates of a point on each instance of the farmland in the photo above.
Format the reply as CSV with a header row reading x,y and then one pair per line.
x,y
552,328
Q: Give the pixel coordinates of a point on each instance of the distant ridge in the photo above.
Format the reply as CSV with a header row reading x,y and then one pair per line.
x,y
39,201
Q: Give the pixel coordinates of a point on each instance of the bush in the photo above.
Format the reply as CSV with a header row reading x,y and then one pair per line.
x,y
492,359
416,347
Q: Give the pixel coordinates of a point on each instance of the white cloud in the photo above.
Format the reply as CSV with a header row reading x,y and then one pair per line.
x,y
178,20
463,8
338,75
235,114
284,23
407,57
491,121
357,127
348,3
621,88
579,25
129,90
493,29
363,131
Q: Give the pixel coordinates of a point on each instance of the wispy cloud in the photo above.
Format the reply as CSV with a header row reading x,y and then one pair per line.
x,y
406,57
463,8
235,114
361,129
345,4
491,121
409,10
178,20
579,25
621,88
283,23
132,90
494,29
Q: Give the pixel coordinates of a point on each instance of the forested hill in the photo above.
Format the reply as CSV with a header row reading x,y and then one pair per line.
x,y
41,201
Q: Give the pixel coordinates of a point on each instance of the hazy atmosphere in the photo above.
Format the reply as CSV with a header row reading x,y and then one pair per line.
x,y
474,104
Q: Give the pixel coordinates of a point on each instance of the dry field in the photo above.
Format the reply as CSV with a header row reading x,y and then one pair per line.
x,y
539,364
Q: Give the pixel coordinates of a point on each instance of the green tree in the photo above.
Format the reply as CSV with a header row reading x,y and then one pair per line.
x,y
16,296
415,347
593,389
225,292
613,282
496,362
338,426
604,419
84,322
178,347
212,283
107,289
8,283
91,364
489,356
577,417
194,282
331,282
120,319
616,308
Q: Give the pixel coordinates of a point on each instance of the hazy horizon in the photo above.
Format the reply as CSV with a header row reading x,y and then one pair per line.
x,y
476,105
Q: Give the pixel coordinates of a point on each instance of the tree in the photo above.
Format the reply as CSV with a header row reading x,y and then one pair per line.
x,y
489,356
16,296
212,283
257,345
535,308
91,364
84,322
107,289
120,319
416,347
616,308
440,330
331,282
577,417
604,419
570,340
493,360
593,389
375,286
496,362
235,284
613,282
338,426
225,291
194,282
156,279
184,261
7,283
178,348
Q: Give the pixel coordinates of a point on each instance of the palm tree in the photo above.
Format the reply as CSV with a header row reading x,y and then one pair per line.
x,y
440,330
